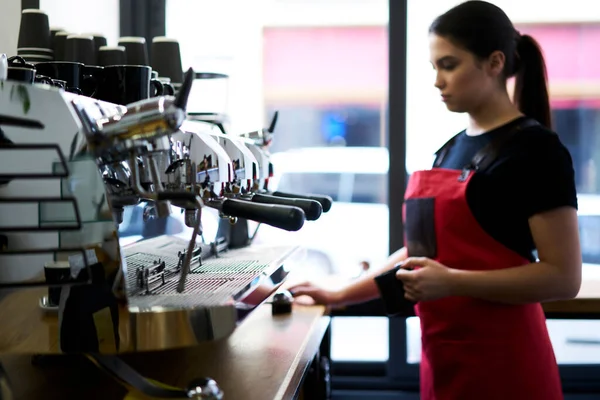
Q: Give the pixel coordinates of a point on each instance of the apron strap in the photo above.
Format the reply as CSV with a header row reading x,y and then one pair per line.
x,y
488,154
441,153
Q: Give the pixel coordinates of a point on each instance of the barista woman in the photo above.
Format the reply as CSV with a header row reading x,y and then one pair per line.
x,y
498,191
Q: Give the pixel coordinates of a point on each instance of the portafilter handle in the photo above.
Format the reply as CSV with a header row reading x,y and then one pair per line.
x,y
312,208
288,218
325,201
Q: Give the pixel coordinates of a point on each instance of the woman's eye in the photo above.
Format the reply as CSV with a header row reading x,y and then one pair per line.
x,y
448,67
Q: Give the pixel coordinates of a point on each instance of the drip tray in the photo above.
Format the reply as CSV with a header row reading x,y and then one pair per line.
x,y
217,282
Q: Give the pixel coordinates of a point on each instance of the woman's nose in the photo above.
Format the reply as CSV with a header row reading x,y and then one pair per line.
x,y
439,81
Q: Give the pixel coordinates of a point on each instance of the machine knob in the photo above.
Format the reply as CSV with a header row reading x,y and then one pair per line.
x,y
191,218
282,303
118,214
205,389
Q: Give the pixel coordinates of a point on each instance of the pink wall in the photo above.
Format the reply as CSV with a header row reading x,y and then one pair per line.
x,y
356,58
334,58
572,52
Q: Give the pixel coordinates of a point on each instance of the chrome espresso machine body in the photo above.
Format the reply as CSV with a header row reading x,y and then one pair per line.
x,y
252,150
71,168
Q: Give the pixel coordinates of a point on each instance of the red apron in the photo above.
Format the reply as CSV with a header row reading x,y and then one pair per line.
x,y
473,349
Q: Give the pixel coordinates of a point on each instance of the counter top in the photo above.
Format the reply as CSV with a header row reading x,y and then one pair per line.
x,y
265,358
588,299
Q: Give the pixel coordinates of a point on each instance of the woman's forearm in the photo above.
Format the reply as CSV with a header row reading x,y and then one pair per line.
x,y
364,288
531,283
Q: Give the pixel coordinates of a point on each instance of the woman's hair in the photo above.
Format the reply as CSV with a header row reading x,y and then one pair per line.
x,y
482,28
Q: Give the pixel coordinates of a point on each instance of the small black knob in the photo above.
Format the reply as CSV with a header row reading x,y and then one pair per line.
x,y
282,303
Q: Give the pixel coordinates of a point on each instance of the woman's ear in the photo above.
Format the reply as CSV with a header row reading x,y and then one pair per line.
x,y
496,62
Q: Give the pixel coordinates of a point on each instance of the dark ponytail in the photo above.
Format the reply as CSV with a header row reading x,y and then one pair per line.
x,y
531,81
482,28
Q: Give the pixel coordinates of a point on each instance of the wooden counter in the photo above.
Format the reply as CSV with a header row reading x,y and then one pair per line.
x,y
265,358
587,301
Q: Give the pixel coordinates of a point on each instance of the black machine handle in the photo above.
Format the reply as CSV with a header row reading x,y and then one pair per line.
x,y
283,217
325,201
312,209
184,92
179,199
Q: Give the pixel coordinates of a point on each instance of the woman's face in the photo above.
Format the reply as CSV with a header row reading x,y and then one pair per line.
x,y
463,81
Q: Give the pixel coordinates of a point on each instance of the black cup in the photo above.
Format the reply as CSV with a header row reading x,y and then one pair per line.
x,y
45,54
166,58
34,59
54,30
71,72
92,77
136,50
59,45
80,48
124,84
34,30
392,294
108,55
168,89
99,41
20,70
21,74
56,273
44,79
59,84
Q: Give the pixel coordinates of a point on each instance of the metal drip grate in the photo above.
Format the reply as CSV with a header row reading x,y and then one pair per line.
x,y
192,286
225,267
144,259
216,282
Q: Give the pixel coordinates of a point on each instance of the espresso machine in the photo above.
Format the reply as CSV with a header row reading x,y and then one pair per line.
x,y
252,149
72,168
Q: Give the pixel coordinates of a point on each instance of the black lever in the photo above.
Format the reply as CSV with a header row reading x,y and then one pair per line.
x,y
273,122
312,209
184,92
325,201
288,218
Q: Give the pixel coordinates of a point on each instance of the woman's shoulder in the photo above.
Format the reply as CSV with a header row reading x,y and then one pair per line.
x,y
537,146
538,166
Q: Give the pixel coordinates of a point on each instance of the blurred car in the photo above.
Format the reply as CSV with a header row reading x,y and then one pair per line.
x,y
356,227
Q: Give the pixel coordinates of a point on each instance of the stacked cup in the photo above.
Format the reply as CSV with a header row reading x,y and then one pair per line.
x,y
166,59
35,43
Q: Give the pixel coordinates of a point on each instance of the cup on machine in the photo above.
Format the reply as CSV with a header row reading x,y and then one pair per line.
x,y
135,50
80,48
19,70
166,58
111,55
56,273
59,44
70,72
34,42
99,41
124,84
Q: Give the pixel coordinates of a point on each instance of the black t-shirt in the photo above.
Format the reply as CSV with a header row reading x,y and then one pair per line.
x,y
533,173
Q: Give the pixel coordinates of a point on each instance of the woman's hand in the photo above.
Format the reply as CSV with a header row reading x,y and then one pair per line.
x,y
318,294
425,279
